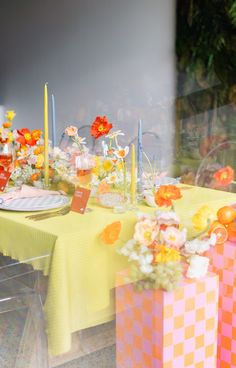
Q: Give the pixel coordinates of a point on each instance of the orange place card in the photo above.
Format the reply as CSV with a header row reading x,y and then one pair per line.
x,y
4,178
80,200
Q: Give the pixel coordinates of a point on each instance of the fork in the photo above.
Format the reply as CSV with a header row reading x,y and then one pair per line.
x,y
43,216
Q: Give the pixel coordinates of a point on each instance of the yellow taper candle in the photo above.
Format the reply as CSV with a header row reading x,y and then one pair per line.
x,y
133,175
46,158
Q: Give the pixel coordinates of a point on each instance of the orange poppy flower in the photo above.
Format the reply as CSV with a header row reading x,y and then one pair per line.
x,y
7,124
166,194
111,233
224,176
34,176
25,137
100,127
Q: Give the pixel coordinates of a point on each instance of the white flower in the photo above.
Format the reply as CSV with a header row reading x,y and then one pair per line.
x,y
15,134
198,245
122,152
143,248
105,148
127,248
32,160
146,269
174,237
80,140
145,259
130,244
112,178
213,239
198,267
114,134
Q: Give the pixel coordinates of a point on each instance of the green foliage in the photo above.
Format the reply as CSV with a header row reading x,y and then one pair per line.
x,y
206,40
166,276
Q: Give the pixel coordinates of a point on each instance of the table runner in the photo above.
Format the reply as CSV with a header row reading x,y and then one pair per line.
x,y
81,269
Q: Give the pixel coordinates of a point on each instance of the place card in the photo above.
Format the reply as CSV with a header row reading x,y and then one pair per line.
x,y
4,178
80,200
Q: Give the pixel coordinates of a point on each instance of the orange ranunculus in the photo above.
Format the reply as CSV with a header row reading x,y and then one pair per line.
x,y
111,233
36,134
34,176
38,150
7,124
166,194
100,127
224,176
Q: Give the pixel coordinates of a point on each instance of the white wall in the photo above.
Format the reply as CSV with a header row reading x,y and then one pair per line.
x,y
113,57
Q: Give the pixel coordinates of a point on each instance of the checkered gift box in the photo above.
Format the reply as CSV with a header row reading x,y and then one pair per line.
x,y
223,262
158,329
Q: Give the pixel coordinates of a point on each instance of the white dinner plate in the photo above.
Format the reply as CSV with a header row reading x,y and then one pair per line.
x,y
35,203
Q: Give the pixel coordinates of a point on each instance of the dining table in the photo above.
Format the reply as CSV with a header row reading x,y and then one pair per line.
x,y
82,270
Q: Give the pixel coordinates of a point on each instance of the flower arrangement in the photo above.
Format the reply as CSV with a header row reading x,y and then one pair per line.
x,y
28,165
110,172
159,251
78,142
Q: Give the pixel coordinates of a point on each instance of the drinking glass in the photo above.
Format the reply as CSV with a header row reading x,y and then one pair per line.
x,y
6,155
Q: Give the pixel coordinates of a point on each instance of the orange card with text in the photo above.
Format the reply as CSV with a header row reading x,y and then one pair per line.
x,y
80,200
4,178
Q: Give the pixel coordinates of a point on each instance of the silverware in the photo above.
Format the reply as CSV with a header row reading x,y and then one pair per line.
x,y
43,216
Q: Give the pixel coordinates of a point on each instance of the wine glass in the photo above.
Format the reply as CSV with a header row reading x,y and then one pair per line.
x,y
84,164
6,155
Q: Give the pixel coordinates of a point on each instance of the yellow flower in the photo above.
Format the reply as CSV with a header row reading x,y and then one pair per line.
x,y
119,166
107,165
166,254
10,114
202,218
39,162
10,137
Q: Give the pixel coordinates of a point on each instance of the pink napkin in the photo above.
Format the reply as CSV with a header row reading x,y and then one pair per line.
x,y
26,191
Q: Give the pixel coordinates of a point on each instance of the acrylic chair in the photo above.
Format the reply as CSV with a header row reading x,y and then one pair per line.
x,y
222,155
152,148
23,340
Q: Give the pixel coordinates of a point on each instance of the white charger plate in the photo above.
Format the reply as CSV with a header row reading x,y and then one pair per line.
x,y
35,203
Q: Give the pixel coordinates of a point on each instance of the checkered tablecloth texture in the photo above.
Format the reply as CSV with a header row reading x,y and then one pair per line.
x,y
223,262
157,329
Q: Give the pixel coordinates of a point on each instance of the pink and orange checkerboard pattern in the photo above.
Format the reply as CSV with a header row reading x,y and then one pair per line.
x,y
223,262
157,329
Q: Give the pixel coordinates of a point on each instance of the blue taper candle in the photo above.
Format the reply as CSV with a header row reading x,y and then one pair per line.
x,y
54,139
140,155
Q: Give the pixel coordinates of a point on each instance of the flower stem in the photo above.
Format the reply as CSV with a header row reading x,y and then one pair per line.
x,y
125,179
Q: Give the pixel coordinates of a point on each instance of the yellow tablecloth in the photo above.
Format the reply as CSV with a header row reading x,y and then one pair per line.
x,y
81,269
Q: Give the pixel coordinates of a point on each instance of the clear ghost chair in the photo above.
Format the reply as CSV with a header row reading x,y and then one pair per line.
x,y
23,340
84,131
152,147
222,155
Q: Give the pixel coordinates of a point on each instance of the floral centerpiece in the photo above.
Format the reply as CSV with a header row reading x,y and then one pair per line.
x,y
110,172
159,251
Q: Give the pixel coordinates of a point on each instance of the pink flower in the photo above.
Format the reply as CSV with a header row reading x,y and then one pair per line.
x,y
174,237
71,131
146,231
